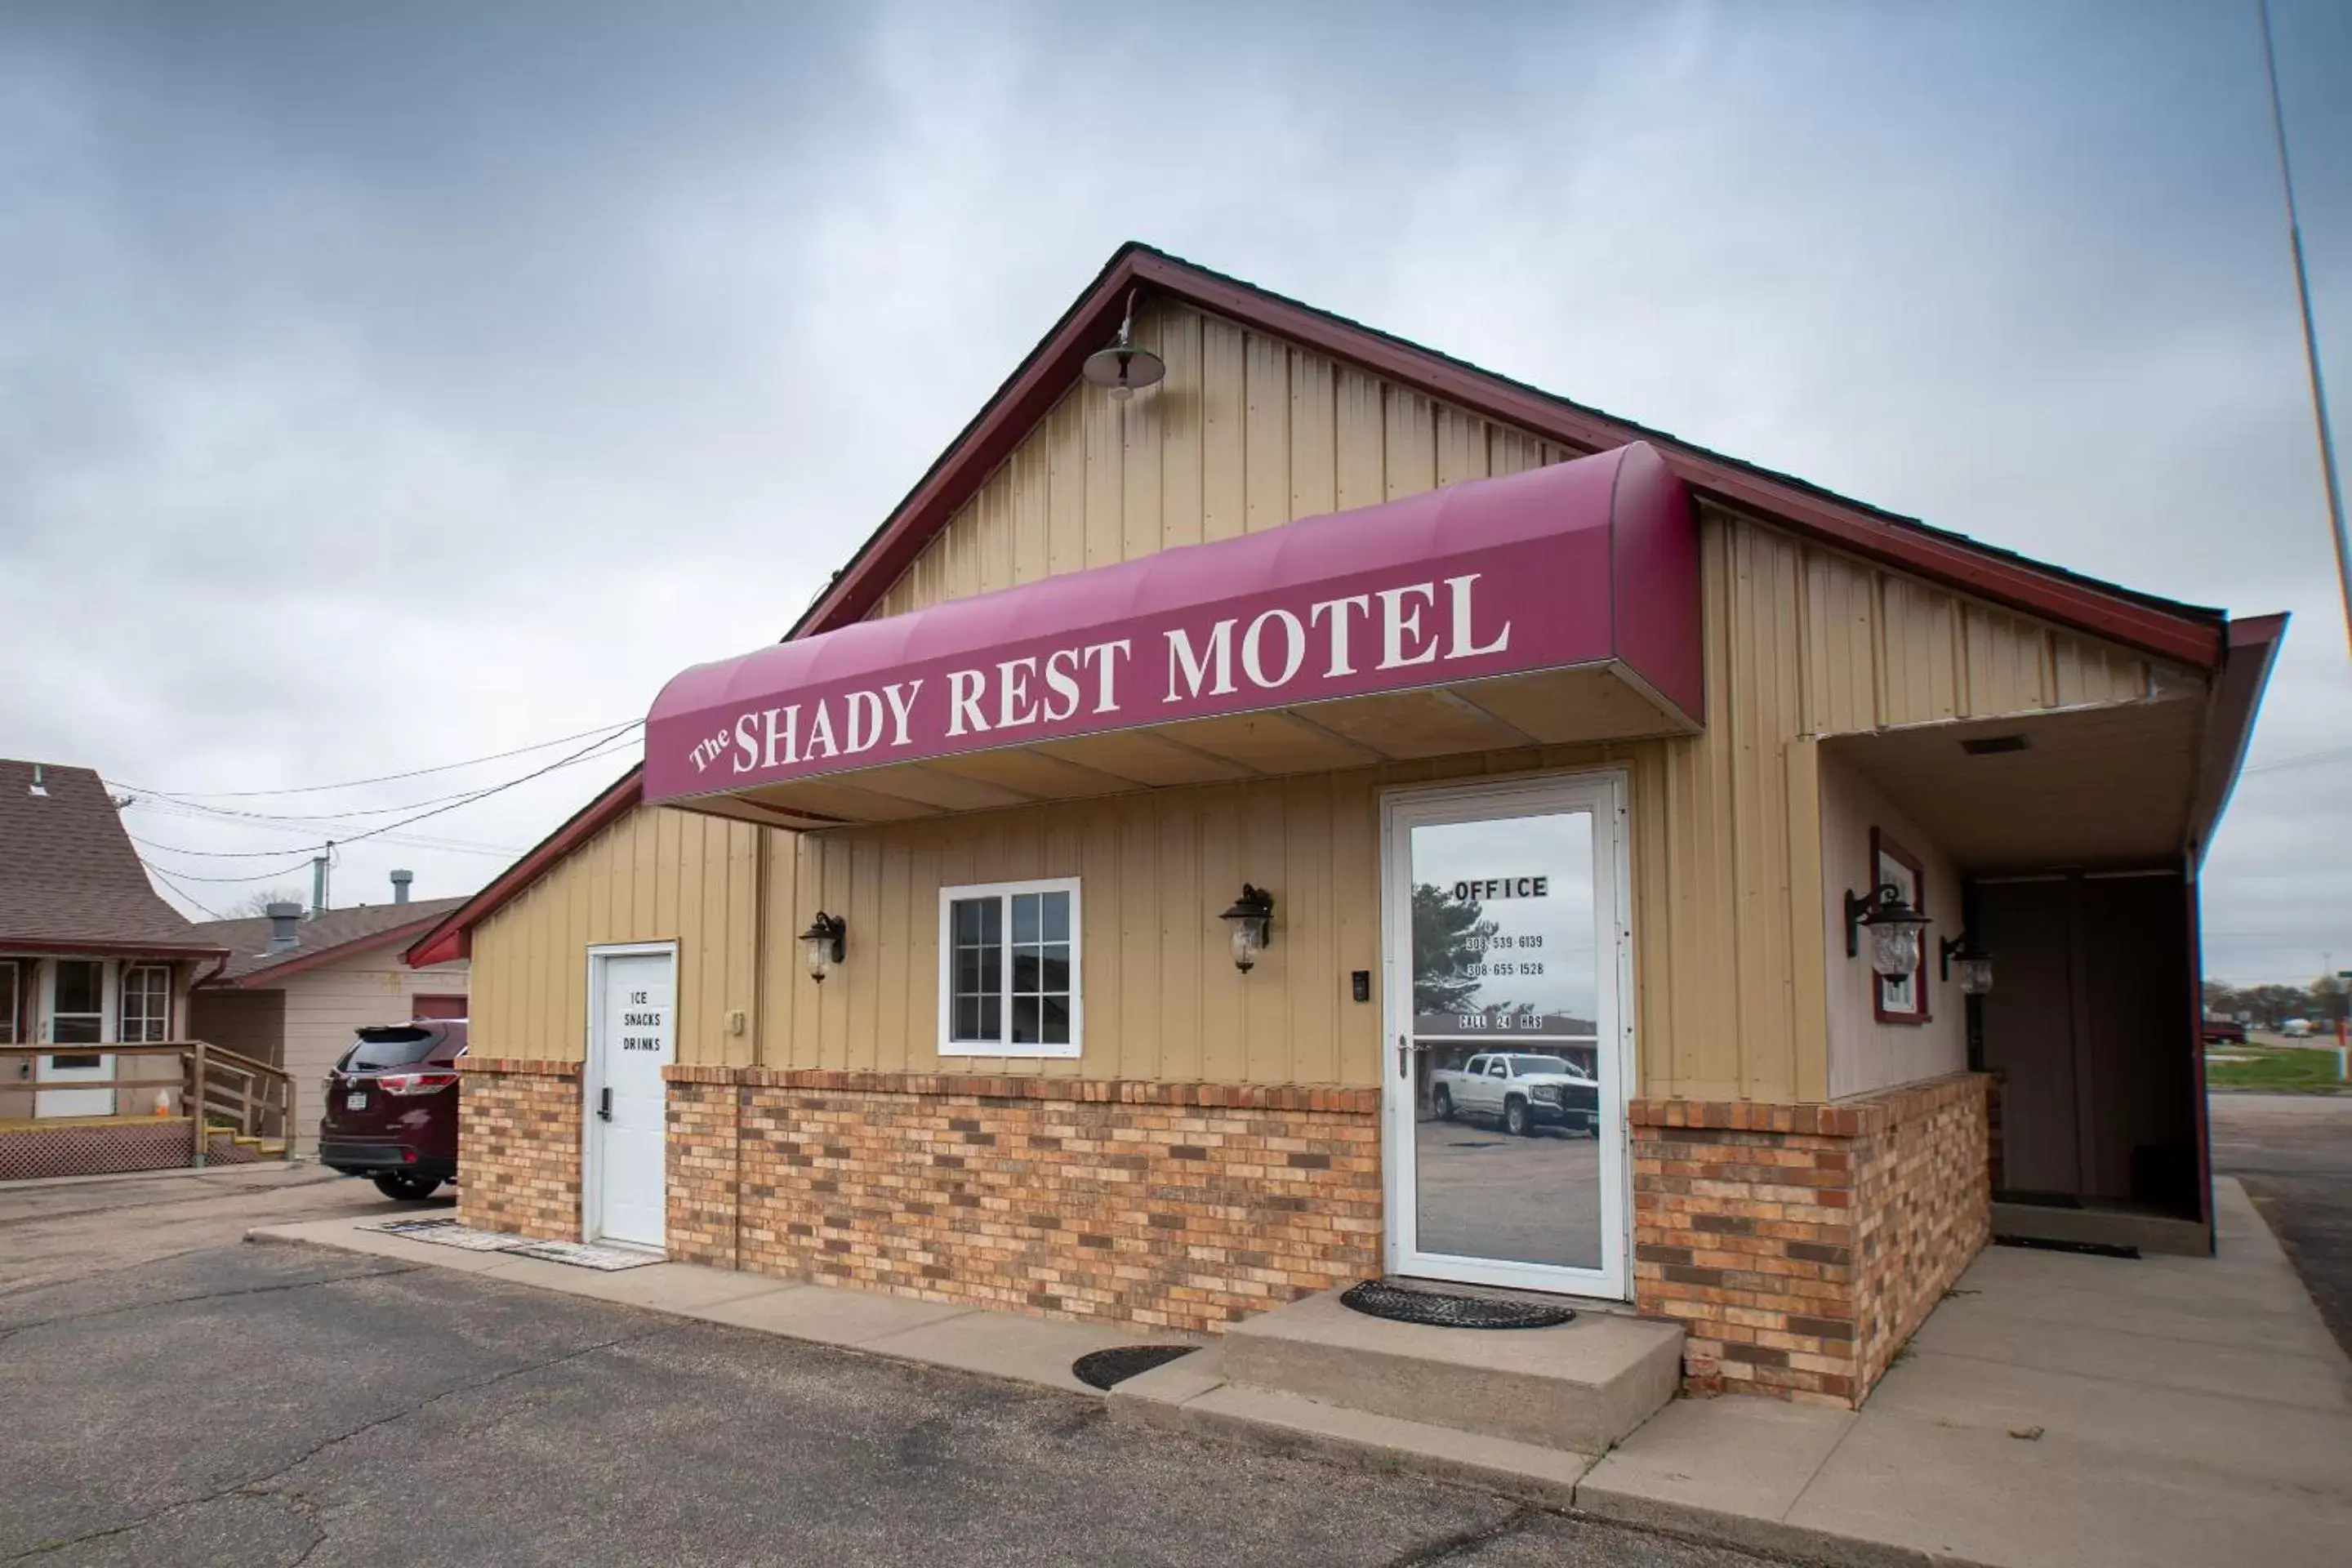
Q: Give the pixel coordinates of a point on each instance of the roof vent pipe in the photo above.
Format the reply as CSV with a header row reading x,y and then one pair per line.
x,y
318,885
284,922
400,880
40,788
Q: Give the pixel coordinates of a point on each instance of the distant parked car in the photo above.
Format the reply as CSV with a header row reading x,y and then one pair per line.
x,y
2224,1032
1523,1091
2297,1029
392,1107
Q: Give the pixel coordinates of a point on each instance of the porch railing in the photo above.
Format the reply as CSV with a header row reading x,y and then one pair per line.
x,y
218,1090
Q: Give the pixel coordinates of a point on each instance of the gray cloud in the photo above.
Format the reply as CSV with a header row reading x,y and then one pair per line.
x,y
383,385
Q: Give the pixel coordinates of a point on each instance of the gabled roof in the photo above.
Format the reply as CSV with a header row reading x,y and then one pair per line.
x,y
71,880
337,933
2185,634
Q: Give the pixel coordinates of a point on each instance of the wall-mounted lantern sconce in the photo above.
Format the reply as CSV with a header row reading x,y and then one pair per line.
x,y
1123,367
1253,918
827,940
1895,928
1976,964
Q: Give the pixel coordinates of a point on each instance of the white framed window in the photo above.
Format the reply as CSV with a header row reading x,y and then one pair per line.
x,y
1008,969
146,1004
11,982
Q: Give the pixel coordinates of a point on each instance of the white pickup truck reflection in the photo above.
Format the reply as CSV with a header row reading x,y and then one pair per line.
x,y
1523,1092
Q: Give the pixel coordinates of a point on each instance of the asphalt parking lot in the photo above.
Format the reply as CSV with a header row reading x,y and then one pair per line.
x,y
217,1403
2294,1153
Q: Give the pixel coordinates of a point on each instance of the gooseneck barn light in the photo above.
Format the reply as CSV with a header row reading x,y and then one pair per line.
x,y
1252,919
827,944
1123,367
1895,928
1976,964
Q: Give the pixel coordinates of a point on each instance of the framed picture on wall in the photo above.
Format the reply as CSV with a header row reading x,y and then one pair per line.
x,y
1902,998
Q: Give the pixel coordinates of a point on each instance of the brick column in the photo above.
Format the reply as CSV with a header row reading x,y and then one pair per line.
x,y
519,1146
1801,1245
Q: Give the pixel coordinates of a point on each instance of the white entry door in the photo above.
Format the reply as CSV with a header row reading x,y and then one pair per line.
x,y
73,1013
632,1036
1507,961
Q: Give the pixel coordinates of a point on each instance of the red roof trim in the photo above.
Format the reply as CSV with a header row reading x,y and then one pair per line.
x,y
2238,690
265,978
454,937
2181,634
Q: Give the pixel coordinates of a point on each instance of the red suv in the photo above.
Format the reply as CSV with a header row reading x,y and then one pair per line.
x,y
392,1107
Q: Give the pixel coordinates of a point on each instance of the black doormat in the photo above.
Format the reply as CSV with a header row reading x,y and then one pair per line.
x,y
1101,1369
2039,1200
2091,1249
1379,1299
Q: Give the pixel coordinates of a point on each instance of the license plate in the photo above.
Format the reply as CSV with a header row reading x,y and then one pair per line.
x,y
357,1102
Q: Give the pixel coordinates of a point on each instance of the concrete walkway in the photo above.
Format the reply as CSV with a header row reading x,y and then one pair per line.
x,y
2056,1409
1009,1346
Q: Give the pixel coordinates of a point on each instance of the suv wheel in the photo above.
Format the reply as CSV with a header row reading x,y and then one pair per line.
x,y
1515,1118
1442,1102
405,1189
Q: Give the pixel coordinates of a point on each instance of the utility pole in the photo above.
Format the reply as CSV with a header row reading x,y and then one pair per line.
x,y
2310,337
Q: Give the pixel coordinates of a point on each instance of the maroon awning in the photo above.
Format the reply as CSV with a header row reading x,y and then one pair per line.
x,y
1406,629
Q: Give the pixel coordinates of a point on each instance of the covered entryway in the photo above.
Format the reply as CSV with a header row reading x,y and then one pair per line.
x,y
2075,837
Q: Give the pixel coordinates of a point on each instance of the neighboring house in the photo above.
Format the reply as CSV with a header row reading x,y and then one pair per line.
x,y
295,988
90,955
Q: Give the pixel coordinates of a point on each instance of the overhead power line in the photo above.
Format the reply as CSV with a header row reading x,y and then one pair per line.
x,y
343,829
607,730
183,892
2308,757
302,865
328,844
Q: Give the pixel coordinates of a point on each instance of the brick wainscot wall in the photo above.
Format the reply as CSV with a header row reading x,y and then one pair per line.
x,y
519,1146
1801,1245
1186,1205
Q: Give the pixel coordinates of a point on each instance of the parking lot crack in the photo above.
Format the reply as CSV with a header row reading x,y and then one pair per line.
x,y
259,1485
279,1287
1462,1541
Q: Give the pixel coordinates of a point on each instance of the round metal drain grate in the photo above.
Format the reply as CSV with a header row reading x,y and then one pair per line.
x,y
1379,1299
1101,1369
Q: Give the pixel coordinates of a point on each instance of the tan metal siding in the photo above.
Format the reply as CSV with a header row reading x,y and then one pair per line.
x,y
1249,432
656,875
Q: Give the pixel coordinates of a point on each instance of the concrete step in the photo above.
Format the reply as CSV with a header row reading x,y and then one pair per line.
x,y
1578,1387
1192,1395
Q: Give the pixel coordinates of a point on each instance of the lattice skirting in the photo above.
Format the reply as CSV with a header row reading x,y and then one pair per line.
x,y
108,1147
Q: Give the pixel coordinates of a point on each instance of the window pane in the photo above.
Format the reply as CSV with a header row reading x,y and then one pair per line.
x,y
992,1019
1025,916
1058,1021
1024,970
81,1030
967,971
1057,916
7,1002
965,1023
1054,971
1024,1020
82,986
991,921
967,918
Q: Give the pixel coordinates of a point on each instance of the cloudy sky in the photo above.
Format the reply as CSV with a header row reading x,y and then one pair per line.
x,y
382,386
